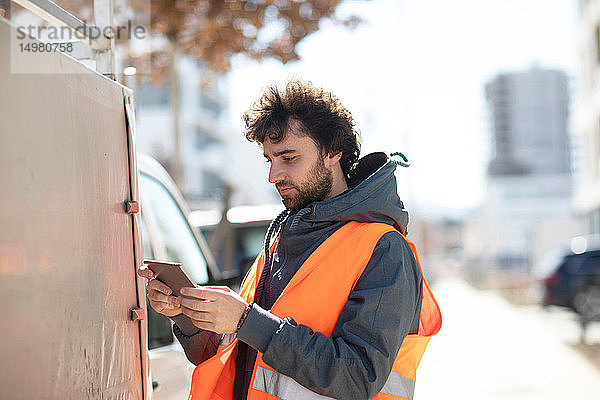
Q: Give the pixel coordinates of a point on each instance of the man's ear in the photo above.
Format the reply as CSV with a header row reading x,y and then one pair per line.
x,y
333,159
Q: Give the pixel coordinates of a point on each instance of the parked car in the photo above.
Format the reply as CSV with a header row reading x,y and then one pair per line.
x,y
574,282
236,241
167,235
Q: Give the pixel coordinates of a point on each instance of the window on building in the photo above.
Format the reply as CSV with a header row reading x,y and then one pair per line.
x,y
203,138
151,95
214,185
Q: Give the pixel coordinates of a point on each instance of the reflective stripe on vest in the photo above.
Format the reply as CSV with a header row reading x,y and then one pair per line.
x,y
398,385
286,388
282,386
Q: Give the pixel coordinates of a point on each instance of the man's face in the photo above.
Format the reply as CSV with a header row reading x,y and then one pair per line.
x,y
297,170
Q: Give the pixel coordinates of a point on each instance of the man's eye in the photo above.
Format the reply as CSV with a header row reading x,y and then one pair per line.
x,y
288,158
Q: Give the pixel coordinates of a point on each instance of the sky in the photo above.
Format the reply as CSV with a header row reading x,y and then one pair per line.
x,y
413,75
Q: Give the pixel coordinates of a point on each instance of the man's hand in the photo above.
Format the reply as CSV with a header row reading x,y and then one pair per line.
x,y
159,295
213,308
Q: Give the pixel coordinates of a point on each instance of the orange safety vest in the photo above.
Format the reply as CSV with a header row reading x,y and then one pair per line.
x,y
315,297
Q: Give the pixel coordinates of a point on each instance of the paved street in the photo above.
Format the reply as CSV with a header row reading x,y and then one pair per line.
x,y
489,349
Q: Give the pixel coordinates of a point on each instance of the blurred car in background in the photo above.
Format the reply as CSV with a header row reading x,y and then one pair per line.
x,y
574,282
237,235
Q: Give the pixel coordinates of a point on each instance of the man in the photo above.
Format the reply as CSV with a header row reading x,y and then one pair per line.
x,y
336,305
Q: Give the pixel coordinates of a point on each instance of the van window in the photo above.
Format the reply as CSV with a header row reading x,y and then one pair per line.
x,y
181,245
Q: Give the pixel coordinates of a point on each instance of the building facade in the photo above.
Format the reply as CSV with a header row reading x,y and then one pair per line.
x,y
529,176
585,123
529,113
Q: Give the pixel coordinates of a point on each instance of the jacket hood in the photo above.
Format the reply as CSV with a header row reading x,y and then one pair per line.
x,y
372,197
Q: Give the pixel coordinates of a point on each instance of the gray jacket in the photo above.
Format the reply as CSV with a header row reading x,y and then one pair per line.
x,y
382,309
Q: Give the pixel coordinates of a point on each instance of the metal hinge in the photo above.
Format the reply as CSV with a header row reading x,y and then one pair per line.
x,y
137,314
132,207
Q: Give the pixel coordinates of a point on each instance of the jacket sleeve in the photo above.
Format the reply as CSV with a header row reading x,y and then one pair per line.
x,y
356,361
199,345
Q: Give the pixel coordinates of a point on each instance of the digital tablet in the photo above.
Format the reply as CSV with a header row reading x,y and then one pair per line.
x,y
171,274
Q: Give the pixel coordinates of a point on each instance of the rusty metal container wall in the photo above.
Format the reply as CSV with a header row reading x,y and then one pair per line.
x,y
67,267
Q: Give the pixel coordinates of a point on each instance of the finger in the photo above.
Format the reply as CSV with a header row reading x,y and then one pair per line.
x,y
158,285
197,315
207,326
144,272
180,290
201,293
162,298
198,305
220,288
164,306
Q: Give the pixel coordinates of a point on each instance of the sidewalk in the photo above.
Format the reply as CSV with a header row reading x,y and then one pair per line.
x,y
489,349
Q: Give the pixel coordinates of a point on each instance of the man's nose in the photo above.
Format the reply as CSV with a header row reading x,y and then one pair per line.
x,y
275,174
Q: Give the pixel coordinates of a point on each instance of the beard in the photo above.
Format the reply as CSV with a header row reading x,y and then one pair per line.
x,y
316,188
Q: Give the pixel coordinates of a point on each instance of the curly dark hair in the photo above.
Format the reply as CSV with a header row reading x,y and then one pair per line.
x,y
320,114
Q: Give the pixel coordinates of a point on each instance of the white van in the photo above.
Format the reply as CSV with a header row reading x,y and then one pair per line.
x,y
75,324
